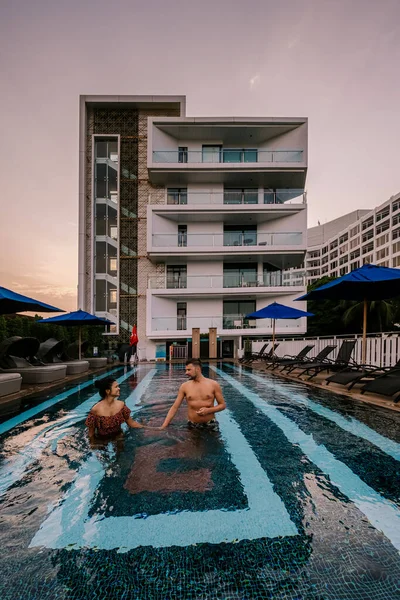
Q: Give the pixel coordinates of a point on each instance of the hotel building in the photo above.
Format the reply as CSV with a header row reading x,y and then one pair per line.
x,y
189,222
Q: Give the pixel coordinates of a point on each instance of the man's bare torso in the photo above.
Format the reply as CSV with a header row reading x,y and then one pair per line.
x,y
199,394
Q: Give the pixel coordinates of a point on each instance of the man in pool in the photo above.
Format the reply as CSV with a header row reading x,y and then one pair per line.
x,y
200,393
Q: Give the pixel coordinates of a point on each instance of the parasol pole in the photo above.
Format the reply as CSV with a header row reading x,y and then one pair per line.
x,y
364,338
273,338
79,342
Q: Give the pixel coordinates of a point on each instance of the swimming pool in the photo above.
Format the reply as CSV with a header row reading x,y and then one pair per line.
x,y
297,497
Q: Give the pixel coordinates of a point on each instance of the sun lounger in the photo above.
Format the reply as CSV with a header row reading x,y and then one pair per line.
x,y
355,374
290,360
13,359
10,383
342,360
97,362
51,352
255,356
387,384
321,357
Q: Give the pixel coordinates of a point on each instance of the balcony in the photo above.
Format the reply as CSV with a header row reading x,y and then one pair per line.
x,y
184,197
209,284
225,324
217,240
182,157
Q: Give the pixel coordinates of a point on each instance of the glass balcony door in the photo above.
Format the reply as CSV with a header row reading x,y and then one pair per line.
x,y
211,154
176,276
234,313
240,236
240,275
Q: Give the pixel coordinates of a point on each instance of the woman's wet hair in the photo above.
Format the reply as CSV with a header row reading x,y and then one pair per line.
x,y
104,385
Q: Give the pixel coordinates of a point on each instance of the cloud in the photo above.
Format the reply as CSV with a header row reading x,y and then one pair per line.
x,y
254,81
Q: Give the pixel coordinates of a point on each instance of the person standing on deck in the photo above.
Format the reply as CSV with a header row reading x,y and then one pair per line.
x,y
200,394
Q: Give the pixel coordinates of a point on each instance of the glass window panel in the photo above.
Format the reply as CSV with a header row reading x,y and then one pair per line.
x,y
233,156
269,197
101,149
112,296
286,195
232,196
211,154
112,255
101,263
113,150
250,196
101,171
112,180
101,219
250,155
112,266
100,303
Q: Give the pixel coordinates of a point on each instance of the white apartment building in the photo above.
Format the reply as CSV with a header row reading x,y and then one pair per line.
x,y
189,222
360,237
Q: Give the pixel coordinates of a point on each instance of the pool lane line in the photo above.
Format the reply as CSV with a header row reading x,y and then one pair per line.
x,y
32,412
16,466
381,513
68,523
352,425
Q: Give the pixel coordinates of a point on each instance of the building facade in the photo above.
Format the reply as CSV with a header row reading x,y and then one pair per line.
x,y
360,237
189,222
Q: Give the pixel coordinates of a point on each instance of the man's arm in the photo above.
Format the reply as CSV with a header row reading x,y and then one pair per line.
x,y
220,403
174,408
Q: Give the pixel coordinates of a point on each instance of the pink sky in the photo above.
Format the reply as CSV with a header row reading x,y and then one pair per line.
x,y
336,62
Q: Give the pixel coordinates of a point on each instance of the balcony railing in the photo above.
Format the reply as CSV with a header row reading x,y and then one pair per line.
x,y
227,156
222,322
227,239
208,282
278,197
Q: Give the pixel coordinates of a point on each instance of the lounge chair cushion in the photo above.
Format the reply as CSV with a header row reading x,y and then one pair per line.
x,y
97,363
10,383
38,375
74,367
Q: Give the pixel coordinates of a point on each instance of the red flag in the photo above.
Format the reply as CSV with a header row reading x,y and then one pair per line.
x,y
134,340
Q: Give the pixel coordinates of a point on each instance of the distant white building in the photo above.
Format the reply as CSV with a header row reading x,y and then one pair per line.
x,y
189,222
359,237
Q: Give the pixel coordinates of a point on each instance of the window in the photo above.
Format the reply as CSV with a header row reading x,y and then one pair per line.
x,y
240,236
354,243
344,248
367,236
343,238
343,260
382,227
368,248
367,223
355,254
354,265
182,236
182,154
333,264
241,196
343,271
176,276
240,275
333,244
324,249
396,206
367,260
314,253
234,313
382,253
354,231
113,265
395,234
396,261
240,155
382,214
181,310
177,196
380,241
325,259
396,247
211,154
395,220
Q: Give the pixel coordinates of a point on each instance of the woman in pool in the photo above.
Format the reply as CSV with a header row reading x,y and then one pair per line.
x,y
107,416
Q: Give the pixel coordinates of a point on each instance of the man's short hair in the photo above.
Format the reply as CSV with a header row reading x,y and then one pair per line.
x,y
196,362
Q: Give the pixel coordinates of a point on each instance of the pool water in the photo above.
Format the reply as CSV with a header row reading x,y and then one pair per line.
x,y
297,497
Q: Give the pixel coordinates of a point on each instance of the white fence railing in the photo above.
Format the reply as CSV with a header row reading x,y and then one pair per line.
x,y
383,350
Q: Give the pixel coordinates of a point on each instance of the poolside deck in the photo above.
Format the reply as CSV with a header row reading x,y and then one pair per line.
x,y
319,382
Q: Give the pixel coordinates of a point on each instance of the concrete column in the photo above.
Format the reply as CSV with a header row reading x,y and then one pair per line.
x,y
212,342
196,342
